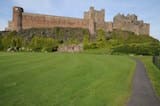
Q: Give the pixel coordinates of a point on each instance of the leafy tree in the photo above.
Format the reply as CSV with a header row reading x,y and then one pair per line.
x,y
36,43
101,39
12,41
138,49
43,44
101,35
50,45
86,41
72,41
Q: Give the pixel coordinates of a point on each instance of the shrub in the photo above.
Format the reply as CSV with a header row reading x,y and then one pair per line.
x,y
86,41
93,45
101,38
50,45
138,49
12,41
43,44
36,43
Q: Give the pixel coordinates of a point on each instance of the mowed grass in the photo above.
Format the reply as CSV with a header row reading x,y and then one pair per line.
x,y
153,72
46,79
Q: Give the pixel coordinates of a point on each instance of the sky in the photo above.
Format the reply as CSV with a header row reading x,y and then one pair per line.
x,y
147,10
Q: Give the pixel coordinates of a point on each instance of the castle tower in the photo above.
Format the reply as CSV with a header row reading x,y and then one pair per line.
x,y
17,18
92,21
102,17
96,20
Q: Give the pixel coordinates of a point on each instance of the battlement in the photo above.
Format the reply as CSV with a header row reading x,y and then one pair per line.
x,y
97,15
128,18
92,20
131,23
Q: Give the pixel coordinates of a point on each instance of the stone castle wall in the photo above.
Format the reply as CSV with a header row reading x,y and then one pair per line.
x,y
130,23
44,21
93,20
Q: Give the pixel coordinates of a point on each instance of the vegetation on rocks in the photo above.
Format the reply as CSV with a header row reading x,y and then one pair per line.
x,y
43,44
14,42
115,42
121,42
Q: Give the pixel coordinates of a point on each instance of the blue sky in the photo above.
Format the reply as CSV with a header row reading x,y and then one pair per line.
x,y
147,10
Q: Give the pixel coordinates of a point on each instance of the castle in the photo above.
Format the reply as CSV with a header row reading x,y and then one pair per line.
x,y
92,20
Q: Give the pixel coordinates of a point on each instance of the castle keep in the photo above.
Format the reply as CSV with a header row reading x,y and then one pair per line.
x,y
92,20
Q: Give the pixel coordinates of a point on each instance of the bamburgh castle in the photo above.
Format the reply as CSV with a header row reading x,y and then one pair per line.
x,y
92,20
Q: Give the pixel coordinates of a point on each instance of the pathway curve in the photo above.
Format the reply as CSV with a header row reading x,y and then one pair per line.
x,y
143,93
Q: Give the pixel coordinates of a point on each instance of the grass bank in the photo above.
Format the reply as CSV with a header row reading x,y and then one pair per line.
x,y
153,72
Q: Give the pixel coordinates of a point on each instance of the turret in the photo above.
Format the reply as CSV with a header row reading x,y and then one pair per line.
x,y
91,13
103,15
17,18
92,21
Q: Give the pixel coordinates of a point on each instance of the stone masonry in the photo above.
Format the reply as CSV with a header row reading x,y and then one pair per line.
x,y
93,20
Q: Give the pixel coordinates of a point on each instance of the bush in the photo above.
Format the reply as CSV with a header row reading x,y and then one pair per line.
x,y
12,41
93,46
100,41
86,41
39,44
138,49
50,45
101,38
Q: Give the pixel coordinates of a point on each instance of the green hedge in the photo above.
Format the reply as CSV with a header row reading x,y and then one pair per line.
x,y
14,42
141,49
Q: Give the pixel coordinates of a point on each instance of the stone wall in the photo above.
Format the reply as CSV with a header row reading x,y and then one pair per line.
x,y
130,23
70,48
93,20
46,21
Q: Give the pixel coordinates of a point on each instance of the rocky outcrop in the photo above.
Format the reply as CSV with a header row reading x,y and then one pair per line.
x,y
71,48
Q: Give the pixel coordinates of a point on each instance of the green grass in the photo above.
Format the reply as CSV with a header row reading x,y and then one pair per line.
x,y
46,79
153,72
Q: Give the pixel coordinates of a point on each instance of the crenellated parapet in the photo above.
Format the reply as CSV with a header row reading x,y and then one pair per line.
x,y
130,23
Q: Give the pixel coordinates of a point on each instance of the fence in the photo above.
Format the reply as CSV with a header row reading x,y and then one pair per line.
x,y
156,61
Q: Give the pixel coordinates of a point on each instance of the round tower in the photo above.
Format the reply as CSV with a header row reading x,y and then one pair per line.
x,y
17,18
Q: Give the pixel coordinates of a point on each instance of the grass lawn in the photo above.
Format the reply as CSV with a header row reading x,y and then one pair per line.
x,y
46,79
153,72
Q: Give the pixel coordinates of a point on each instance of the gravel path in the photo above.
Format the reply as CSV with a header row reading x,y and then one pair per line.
x,y
143,93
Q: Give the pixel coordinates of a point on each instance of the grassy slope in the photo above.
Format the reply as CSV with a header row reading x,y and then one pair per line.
x,y
153,72
38,79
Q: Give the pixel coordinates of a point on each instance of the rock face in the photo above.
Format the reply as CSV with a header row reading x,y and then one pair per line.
x,y
93,20
71,48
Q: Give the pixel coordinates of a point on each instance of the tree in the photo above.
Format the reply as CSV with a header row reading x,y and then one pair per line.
x,y
101,38
36,43
12,40
43,44
86,41
50,45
